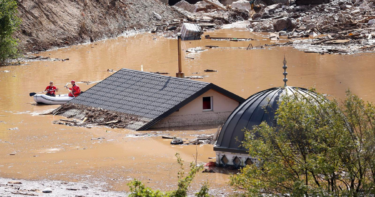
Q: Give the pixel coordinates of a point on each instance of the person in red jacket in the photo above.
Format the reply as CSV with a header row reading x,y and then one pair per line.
x,y
74,90
51,90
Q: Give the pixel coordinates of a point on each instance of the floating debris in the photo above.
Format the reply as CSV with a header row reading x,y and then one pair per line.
x,y
194,77
47,190
90,117
191,32
195,50
228,38
274,36
210,70
202,139
99,138
167,137
177,141
41,58
161,73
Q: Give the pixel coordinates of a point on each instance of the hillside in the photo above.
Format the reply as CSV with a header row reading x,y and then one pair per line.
x,y
47,24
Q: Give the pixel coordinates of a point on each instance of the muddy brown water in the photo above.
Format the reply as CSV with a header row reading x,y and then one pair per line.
x,y
43,150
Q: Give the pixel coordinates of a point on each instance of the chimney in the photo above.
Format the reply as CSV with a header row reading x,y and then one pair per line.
x,y
179,74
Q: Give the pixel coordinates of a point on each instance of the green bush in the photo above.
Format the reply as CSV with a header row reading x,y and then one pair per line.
x,y
9,24
138,189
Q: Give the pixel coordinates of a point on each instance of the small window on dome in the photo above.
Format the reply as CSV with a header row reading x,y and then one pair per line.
x,y
207,103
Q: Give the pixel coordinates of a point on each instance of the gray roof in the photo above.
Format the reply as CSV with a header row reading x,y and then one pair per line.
x,y
256,109
148,95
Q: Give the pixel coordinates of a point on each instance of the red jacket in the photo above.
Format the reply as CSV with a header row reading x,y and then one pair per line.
x,y
75,90
50,90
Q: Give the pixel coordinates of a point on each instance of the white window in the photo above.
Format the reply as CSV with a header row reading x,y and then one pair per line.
x,y
207,104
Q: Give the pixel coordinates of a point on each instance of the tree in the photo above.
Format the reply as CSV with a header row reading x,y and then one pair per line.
x,y
9,23
318,148
138,189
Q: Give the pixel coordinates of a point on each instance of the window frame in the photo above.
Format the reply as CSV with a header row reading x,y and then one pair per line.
x,y
211,102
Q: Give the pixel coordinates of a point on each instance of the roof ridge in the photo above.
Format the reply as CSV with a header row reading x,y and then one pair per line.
x,y
163,76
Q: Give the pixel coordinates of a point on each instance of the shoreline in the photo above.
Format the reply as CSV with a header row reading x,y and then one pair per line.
x,y
17,187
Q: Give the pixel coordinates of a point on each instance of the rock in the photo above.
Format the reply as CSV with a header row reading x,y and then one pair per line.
x,y
157,16
310,26
263,27
308,2
283,24
241,5
186,6
47,190
301,8
203,6
274,36
171,28
266,15
358,2
345,7
256,16
283,33
355,11
371,22
271,8
313,34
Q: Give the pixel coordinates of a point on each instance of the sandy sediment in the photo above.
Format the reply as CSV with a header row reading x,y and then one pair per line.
x,y
16,188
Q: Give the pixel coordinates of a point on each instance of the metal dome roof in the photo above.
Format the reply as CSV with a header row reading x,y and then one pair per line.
x,y
256,109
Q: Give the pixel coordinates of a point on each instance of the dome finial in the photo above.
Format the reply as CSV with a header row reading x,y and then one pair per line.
x,y
285,73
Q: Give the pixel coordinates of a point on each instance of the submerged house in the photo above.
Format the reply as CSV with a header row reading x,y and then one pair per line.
x,y
158,101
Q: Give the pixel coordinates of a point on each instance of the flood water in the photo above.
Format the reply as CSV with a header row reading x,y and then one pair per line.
x,y
43,150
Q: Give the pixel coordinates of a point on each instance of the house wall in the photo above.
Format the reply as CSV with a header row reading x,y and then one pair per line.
x,y
231,156
192,114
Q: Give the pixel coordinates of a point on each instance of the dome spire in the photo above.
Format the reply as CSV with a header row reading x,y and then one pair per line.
x,y
285,73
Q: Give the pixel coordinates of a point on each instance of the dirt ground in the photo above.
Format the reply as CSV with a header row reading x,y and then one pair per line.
x,y
47,24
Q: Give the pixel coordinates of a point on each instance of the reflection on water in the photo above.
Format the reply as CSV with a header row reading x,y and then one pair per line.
x,y
118,159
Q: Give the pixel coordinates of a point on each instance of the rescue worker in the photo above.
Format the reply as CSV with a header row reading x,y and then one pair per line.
x,y
51,90
74,90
